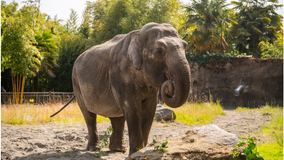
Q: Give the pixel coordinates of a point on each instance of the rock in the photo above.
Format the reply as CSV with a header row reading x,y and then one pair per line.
x,y
200,142
163,113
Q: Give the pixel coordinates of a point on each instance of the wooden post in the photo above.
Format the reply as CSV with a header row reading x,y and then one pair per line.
x,y
49,96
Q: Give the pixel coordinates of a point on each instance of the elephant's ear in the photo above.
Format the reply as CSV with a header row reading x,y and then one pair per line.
x,y
134,52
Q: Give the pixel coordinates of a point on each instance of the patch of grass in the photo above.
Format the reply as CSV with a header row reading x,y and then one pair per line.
x,y
264,109
66,153
272,149
31,114
197,113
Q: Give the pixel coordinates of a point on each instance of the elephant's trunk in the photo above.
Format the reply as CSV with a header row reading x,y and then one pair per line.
x,y
178,89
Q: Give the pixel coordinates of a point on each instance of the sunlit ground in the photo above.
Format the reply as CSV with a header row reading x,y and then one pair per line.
x,y
272,149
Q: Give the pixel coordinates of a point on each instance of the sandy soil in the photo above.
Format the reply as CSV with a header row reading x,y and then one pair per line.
x,y
243,124
61,141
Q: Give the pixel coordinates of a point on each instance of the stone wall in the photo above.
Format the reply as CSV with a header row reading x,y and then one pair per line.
x,y
262,80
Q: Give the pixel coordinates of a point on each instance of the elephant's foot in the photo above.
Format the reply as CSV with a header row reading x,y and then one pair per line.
x,y
116,145
92,147
117,148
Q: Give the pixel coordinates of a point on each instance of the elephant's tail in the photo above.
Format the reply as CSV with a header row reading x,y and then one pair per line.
x,y
63,106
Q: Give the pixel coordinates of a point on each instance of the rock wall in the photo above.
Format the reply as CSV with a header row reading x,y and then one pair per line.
x,y
262,80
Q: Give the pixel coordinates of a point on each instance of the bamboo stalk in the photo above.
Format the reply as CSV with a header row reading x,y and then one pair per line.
x,y
22,91
18,88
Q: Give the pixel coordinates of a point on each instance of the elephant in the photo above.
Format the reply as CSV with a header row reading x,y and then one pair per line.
x,y
120,79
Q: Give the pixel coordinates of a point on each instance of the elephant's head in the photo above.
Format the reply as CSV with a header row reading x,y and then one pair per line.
x,y
159,53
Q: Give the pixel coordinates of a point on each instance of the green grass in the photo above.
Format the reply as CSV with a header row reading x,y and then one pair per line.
x,y
197,113
264,109
272,149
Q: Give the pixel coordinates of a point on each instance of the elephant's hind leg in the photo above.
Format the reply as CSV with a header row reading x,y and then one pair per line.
x,y
117,135
91,120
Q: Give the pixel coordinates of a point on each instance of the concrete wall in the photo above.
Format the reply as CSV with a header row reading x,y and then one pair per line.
x,y
262,80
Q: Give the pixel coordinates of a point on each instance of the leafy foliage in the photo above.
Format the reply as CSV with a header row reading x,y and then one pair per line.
x,y
71,25
250,151
71,46
207,57
256,21
118,17
212,23
28,45
162,147
104,143
272,50
17,51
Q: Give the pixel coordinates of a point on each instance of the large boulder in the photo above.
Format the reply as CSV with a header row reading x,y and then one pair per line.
x,y
163,113
200,142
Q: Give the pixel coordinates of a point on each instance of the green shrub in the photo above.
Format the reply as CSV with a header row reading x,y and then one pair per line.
x,y
205,58
269,50
250,151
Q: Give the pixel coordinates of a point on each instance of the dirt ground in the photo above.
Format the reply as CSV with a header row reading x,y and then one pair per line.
x,y
68,141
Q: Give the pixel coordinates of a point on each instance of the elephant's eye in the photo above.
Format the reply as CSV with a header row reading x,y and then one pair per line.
x,y
159,53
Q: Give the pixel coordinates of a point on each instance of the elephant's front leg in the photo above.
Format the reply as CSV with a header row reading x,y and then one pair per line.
x,y
117,124
133,119
147,116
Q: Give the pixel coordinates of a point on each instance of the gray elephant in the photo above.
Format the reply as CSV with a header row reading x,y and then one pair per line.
x,y
120,79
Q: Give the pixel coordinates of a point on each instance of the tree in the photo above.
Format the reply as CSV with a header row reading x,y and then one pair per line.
x,y
112,17
43,28
255,21
18,53
85,27
71,46
28,45
211,18
47,47
107,15
65,50
71,26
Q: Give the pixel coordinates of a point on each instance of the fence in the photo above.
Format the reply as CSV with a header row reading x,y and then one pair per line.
x,y
38,97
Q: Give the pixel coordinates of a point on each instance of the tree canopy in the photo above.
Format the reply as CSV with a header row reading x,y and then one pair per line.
x,y
255,21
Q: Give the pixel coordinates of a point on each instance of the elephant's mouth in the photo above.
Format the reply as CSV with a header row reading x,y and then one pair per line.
x,y
168,76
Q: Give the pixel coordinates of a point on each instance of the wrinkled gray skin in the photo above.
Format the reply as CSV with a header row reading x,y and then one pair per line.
x,y
120,79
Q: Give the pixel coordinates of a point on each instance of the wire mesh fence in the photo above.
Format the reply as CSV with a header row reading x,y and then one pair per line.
x,y
38,97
